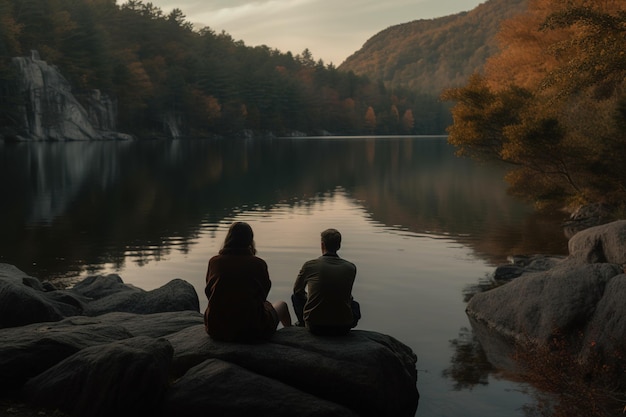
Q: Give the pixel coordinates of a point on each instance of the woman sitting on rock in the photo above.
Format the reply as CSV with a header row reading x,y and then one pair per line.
x,y
237,285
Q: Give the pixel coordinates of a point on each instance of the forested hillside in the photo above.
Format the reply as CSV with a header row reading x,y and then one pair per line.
x,y
552,104
159,69
428,56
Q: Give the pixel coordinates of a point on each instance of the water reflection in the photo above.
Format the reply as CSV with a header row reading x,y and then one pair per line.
x,y
545,373
77,205
469,365
420,224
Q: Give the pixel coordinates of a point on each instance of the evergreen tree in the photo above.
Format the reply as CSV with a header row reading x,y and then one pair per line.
x,y
156,66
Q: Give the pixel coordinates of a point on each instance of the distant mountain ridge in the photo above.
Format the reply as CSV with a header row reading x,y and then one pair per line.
x,y
428,56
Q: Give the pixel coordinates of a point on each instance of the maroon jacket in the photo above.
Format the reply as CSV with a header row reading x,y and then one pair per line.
x,y
237,287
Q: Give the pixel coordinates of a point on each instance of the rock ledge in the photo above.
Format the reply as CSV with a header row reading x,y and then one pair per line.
x,y
107,348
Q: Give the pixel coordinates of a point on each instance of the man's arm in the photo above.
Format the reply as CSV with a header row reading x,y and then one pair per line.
x,y
299,296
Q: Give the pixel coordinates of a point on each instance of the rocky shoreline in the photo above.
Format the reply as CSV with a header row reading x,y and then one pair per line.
x,y
107,348
576,300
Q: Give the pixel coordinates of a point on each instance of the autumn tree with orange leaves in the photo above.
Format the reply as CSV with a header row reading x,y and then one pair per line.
x,y
552,103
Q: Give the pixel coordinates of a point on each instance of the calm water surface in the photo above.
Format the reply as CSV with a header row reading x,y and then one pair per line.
x,y
424,227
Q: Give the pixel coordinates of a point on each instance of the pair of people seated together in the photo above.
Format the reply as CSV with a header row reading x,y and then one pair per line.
x,y
238,283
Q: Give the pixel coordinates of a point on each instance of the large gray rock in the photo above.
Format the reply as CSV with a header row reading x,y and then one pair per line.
x,y
581,295
366,372
606,330
295,373
29,350
215,387
108,293
153,325
25,300
606,243
51,112
537,305
96,287
125,378
123,363
20,305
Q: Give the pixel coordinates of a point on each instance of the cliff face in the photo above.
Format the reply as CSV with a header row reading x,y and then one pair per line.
x,y
49,110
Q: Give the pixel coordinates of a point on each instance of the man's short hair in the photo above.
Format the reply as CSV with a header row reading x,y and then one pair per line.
x,y
331,238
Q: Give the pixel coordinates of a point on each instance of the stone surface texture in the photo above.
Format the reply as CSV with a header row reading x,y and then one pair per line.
x,y
106,348
579,299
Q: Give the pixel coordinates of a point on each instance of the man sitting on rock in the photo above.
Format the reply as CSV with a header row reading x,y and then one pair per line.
x,y
322,293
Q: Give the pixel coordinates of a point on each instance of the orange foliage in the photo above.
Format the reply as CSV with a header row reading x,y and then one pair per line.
x,y
408,121
140,78
209,105
530,51
552,102
370,119
429,55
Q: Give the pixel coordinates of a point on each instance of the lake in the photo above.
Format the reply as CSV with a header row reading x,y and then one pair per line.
x,y
424,227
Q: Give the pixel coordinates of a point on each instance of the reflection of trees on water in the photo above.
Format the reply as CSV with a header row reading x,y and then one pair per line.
x,y
75,206
469,365
556,387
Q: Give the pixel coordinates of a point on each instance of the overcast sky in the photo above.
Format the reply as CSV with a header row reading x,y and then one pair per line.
x,y
331,29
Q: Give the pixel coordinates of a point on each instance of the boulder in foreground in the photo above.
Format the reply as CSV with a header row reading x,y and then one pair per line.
x,y
163,363
25,300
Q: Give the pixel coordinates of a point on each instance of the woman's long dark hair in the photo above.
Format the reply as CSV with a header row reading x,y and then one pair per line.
x,y
239,239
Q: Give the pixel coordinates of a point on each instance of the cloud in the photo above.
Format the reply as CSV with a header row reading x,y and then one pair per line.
x,y
331,29
225,11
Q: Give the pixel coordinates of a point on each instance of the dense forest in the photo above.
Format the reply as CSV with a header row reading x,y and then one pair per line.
x,y
430,55
158,67
552,104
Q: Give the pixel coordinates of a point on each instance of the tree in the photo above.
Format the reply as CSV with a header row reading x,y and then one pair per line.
x,y
306,58
549,103
9,31
394,115
153,64
177,18
370,120
408,121
9,46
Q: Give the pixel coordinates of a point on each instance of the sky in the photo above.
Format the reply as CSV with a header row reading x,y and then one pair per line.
x,y
331,29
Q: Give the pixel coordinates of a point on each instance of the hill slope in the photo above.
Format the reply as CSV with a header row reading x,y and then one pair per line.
x,y
429,55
